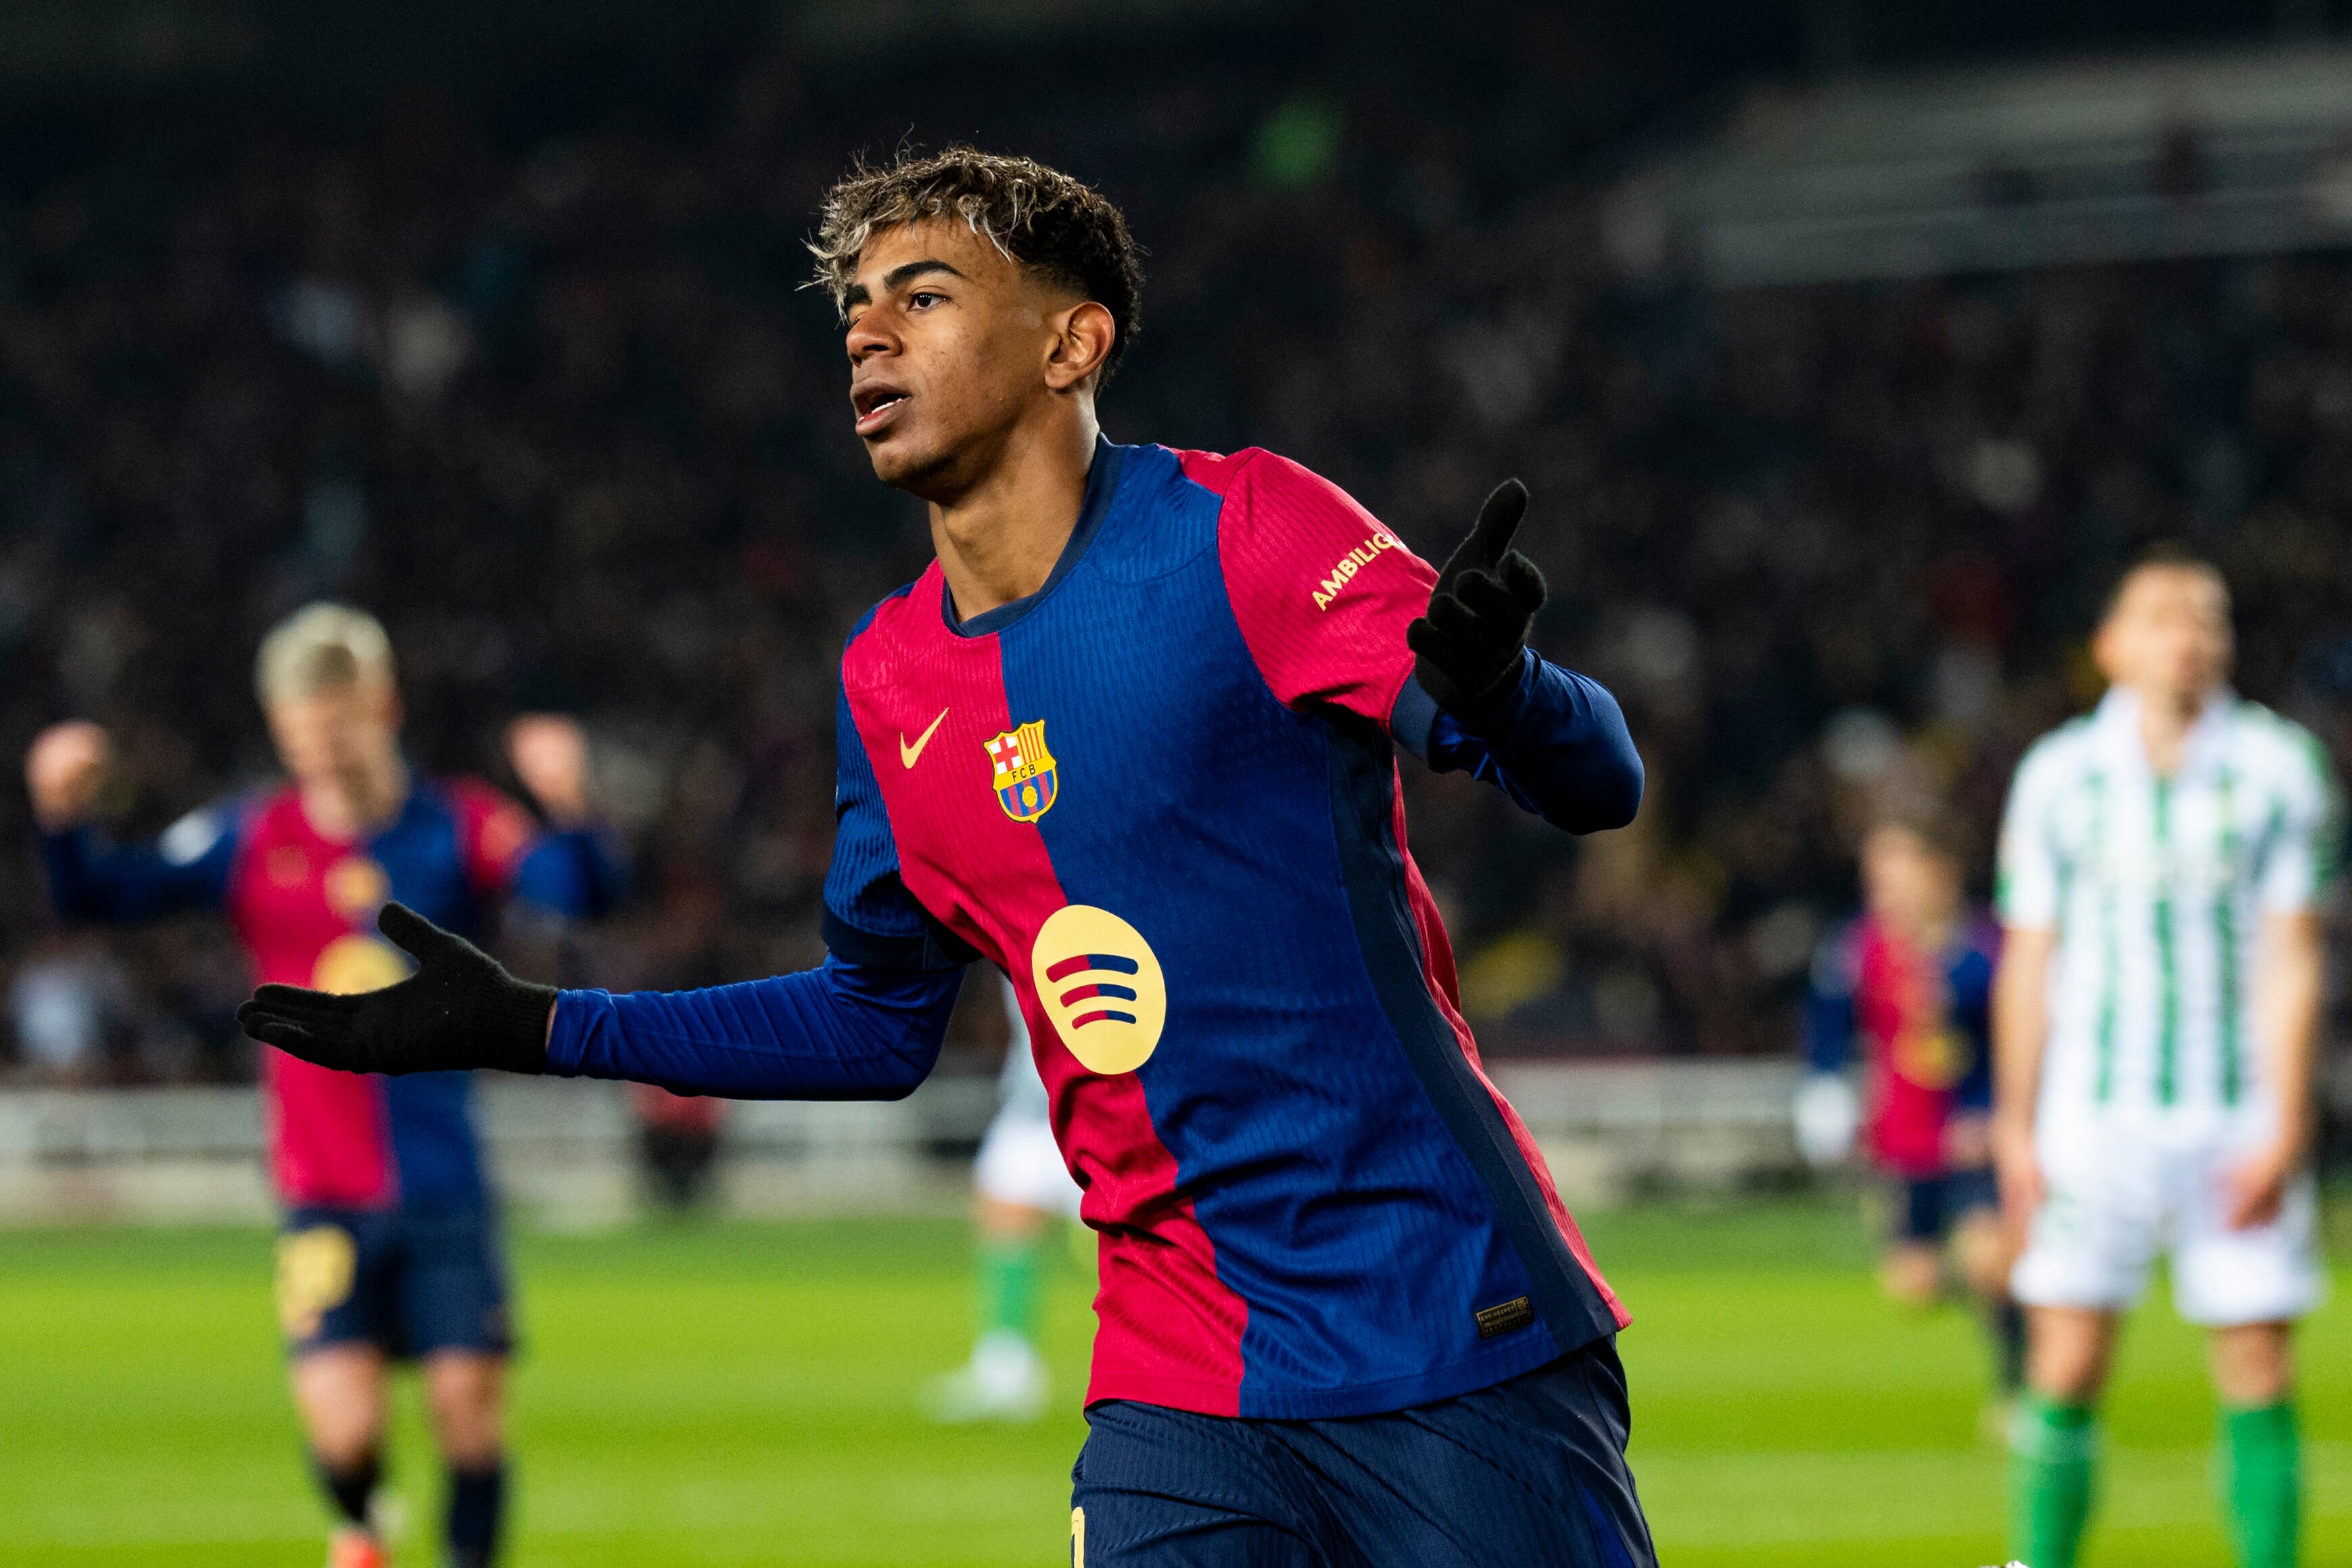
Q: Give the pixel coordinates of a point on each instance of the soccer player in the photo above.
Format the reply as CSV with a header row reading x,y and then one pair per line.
x,y
1133,738
1911,982
1020,1189
390,1248
2163,866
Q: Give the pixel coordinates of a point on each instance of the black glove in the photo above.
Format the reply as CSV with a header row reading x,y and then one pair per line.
x,y
1468,645
459,1010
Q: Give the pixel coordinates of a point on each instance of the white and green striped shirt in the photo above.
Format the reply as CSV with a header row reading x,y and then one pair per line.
x,y
2158,888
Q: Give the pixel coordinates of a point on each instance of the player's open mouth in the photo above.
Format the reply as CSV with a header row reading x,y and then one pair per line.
x,y
874,406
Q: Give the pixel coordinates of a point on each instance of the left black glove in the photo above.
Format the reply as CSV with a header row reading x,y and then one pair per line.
x,y
460,1009
1467,646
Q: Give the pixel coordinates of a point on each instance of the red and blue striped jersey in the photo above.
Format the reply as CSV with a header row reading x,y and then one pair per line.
x,y
1162,795
304,905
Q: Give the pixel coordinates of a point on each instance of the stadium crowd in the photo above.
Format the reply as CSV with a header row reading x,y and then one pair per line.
x,y
564,418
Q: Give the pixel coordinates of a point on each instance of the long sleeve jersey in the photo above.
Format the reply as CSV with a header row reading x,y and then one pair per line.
x,y
304,906
1160,794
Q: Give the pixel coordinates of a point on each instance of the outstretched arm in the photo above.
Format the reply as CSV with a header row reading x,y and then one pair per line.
x,y
92,879
841,1032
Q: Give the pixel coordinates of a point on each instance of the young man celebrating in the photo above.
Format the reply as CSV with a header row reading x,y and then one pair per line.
x,y
390,1248
1131,738
2163,867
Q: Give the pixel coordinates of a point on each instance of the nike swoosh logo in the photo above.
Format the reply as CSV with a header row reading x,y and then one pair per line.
x,y
907,754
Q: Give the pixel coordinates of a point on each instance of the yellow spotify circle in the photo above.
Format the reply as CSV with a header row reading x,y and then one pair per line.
x,y
353,963
1101,985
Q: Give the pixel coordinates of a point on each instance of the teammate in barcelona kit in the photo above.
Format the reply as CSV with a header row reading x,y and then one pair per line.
x,y
389,1249
1020,1190
1910,982
1132,738
2164,865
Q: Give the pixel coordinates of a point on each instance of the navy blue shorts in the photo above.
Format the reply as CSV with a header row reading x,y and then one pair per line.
x,y
1529,1471
1928,1207
410,1281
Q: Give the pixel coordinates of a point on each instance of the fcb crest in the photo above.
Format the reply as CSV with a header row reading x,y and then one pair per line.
x,y
1024,771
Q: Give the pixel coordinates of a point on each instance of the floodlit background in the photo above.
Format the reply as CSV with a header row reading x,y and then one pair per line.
x,y
1847,350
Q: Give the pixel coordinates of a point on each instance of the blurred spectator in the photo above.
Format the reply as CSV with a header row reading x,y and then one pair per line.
x,y
677,1140
69,1004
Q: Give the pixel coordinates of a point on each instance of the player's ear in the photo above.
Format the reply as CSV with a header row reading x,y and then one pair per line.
x,y
2106,654
1083,336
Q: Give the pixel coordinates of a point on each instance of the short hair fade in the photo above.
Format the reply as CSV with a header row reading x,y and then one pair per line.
x,y
1040,217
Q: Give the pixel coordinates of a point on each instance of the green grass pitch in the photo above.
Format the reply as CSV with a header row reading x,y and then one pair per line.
x,y
748,1394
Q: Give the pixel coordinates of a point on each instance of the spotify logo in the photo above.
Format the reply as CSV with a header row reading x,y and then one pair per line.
x,y
1101,985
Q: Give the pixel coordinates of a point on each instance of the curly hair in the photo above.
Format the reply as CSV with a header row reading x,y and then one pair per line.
x,y
1039,217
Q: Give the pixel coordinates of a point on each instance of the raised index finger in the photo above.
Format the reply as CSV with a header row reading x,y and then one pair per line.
x,y
1498,519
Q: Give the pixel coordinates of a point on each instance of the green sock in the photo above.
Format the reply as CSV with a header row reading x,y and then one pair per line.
x,y
2261,1484
1008,1288
2055,1451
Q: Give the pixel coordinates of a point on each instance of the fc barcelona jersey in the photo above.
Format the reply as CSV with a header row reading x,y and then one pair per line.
x,y
1924,1022
305,906
1160,794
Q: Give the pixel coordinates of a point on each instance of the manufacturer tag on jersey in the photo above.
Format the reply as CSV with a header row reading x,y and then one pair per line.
x,y
1516,1313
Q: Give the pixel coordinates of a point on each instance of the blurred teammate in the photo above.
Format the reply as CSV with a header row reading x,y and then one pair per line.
x,y
1133,737
2163,867
1020,1189
1911,981
389,1247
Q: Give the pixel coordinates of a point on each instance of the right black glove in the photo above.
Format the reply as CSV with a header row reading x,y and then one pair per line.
x,y
460,1010
1467,648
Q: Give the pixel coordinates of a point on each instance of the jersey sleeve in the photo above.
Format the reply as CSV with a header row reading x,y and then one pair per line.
x,y
187,868
494,835
2029,874
576,873
870,919
1562,748
839,1031
1322,590
2303,849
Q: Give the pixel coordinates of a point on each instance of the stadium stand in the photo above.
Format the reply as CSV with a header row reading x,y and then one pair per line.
x,y
557,407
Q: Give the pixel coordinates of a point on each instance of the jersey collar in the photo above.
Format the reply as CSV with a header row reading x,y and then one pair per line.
x,y
2118,720
1102,484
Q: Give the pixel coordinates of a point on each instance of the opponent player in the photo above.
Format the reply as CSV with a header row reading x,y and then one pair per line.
x,y
1020,1189
2162,871
1132,737
1911,982
390,1247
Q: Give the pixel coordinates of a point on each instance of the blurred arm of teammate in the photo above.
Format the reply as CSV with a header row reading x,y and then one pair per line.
x,y
92,879
1480,701
574,869
2290,982
2021,1029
